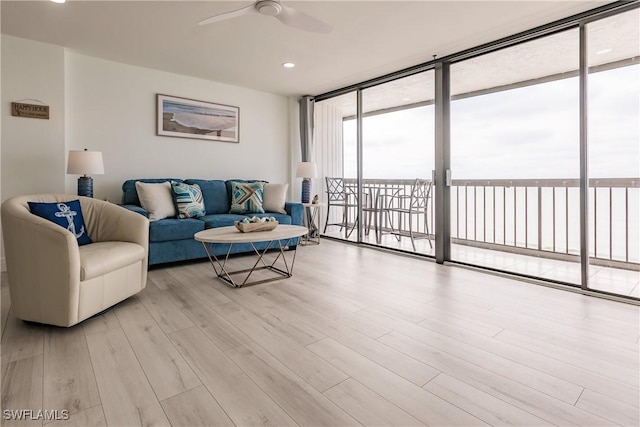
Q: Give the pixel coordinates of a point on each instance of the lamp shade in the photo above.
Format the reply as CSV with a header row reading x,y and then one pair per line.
x,y
85,163
306,170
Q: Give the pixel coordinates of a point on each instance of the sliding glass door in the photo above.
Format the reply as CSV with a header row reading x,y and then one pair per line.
x,y
515,159
336,160
538,156
613,52
397,160
385,207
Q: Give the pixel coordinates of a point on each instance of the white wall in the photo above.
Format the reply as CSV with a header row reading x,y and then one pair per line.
x,y
33,153
111,108
33,150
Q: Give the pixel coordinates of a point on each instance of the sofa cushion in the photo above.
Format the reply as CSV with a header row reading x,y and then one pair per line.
x,y
221,220
275,196
214,192
66,214
130,194
157,199
246,197
188,200
174,229
100,258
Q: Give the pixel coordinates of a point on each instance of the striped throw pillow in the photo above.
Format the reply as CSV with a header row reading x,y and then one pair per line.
x,y
246,197
189,200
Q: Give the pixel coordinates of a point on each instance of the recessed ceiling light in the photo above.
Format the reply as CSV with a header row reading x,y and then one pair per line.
x,y
59,1
288,64
603,51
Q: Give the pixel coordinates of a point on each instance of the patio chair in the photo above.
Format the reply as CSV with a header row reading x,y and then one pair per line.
x,y
344,197
412,205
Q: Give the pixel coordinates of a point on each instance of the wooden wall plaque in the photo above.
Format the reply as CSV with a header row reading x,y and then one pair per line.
x,y
31,111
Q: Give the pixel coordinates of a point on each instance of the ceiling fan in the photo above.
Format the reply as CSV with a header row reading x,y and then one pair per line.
x,y
285,14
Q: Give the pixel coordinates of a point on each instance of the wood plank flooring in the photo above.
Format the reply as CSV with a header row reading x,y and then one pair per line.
x,y
355,337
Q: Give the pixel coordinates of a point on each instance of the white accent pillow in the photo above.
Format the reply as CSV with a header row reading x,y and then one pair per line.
x,y
274,197
157,199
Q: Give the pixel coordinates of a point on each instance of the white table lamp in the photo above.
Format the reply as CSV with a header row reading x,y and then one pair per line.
x,y
306,171
85,163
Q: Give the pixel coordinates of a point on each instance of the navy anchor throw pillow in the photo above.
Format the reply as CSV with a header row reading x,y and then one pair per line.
x,y
65,214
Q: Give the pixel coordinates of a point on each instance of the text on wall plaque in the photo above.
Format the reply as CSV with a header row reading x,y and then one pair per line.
x,y
32,111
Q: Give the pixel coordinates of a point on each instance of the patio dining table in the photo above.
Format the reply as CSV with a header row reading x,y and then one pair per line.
x,y
376,200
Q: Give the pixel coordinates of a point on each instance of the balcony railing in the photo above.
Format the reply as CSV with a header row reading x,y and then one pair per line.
x,y
537,217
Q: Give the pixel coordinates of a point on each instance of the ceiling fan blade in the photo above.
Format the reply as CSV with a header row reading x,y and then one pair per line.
x,y
229,15
302,21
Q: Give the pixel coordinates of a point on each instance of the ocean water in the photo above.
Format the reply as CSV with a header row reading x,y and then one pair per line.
x,y
177,107
206,122
200,117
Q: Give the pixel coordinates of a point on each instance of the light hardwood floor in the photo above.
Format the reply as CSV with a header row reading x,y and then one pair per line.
x,y
625,282
355,337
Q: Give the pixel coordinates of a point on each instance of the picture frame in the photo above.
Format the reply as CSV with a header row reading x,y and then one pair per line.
x,y
190,118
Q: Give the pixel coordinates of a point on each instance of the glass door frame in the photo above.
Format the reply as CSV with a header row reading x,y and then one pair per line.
x,y
442,175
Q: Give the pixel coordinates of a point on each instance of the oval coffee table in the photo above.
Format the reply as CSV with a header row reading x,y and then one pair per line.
x,y
278,238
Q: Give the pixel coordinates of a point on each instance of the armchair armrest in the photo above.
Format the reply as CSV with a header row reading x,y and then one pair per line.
x,y
296,211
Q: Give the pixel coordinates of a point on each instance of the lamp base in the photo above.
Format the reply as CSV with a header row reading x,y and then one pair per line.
x,y
85,186
306,190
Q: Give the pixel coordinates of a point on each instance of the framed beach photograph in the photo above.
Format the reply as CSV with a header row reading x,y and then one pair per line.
x,y
189,118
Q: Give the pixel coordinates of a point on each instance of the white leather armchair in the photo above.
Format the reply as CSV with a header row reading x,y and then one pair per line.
x,y
53,280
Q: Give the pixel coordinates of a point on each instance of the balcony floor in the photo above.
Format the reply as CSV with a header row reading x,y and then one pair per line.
x,y
614,280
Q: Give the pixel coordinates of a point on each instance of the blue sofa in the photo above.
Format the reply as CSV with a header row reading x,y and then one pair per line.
x,y
172,240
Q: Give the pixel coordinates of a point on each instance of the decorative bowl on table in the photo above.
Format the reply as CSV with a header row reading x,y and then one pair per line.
x,y
248,225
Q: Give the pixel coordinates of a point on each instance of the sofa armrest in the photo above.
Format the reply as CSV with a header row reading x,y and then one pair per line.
x,y
296,211
136,209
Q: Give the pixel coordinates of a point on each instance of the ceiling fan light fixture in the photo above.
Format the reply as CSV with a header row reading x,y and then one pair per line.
x,y
59,1
288,64
274,8
268,7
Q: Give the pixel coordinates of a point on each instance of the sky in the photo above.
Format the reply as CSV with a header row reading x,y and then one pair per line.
x,y
528,132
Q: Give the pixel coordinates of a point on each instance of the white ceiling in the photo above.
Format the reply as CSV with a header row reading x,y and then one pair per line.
x,y
369,39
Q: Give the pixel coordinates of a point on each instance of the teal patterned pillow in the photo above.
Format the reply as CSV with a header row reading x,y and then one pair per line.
x,y
246,197
189,200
